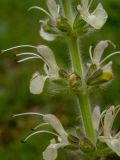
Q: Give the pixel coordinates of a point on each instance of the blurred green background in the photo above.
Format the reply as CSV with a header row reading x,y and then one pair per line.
x,y
17,26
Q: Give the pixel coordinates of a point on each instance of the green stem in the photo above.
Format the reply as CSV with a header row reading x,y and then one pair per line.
x,y
86,117
83,97
75,56
77,67
68,10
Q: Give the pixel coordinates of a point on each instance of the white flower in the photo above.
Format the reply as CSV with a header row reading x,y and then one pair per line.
x,y
50,66
96,59
53,13
97,18
112,141
37,83
51,151
98,71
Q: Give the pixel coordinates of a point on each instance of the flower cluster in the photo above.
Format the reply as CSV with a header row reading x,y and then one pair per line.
x,y
99,71
105,134
50,152
57,25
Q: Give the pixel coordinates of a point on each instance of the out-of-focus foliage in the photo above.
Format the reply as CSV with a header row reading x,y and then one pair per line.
x,y
17,26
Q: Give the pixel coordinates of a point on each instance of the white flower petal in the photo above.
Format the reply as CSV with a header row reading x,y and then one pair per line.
x,y
96,117
98,51
108,121
47,36
114,144
47,54
96,19
99,17
56,124
50,61
50,152
53,8
37,83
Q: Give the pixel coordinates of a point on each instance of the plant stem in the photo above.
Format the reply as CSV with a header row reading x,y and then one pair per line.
x,y
86,117
83,97
75,57
77,67
68,10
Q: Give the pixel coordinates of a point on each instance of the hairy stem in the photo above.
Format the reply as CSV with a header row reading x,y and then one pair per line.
x,y
83,97
67,7
77,67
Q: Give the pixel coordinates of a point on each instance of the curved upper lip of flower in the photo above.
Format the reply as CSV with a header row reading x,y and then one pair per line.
x,y
53,8
98,52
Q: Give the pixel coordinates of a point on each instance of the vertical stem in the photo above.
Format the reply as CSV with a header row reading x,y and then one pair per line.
x,y
68,10
77,67
83,97
75,57
86,117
